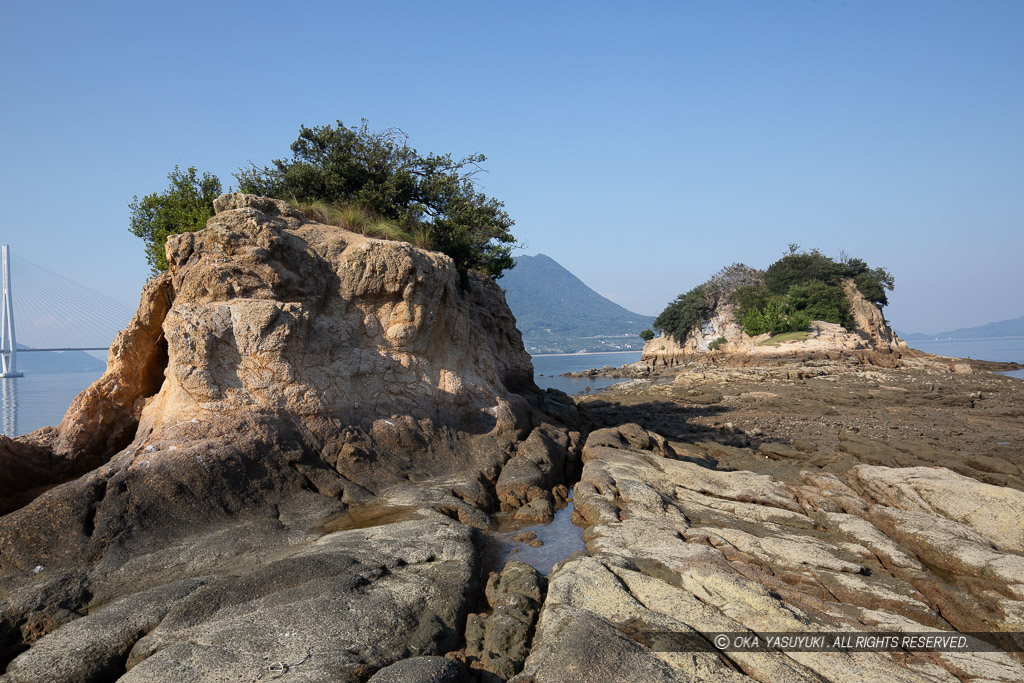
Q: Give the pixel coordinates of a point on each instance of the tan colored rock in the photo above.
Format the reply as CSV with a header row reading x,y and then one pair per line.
x,y
868,319
996,512
663,351
103,418
699,550
948,545
280,376
863,532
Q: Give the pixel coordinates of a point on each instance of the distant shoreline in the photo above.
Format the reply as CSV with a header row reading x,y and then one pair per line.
x,y
585,353
963,339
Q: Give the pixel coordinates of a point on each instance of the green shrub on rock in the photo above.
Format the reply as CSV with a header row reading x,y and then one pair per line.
x,y
184,206
371,181
775,316
684,314
798,288
821,301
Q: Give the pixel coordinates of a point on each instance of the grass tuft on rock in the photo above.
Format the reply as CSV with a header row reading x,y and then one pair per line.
x,y
786,337
357,219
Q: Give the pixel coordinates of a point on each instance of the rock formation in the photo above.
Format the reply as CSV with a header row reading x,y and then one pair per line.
x,y
498,643
689,543
870,333
282,374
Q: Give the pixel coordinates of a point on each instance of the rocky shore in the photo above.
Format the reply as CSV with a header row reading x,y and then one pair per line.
x,y
306,440
794,499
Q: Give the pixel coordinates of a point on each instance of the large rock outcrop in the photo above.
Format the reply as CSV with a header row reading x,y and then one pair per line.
x,y
870,333
282,374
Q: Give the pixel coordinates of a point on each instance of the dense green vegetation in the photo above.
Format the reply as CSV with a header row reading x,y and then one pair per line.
x,y
647,334
798,288
372,181
685,313
798,267
185,206
717,344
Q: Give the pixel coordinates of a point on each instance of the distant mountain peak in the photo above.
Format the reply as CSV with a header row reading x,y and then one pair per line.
x,y
1014,327
557,312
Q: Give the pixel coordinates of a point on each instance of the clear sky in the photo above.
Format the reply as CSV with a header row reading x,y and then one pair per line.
x,y
641,145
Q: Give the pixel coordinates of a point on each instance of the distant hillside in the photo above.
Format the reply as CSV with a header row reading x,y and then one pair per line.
x,y
1003,328
51,362
557,313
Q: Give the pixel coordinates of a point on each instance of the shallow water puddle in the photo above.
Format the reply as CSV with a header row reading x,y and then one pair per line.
x,y
560,538
369,515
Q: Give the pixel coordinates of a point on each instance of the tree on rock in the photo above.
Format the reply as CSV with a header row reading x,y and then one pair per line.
x,y
800,287
185,206
380,172
374,178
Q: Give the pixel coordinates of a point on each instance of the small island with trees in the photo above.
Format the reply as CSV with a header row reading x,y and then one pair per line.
x,y
805,296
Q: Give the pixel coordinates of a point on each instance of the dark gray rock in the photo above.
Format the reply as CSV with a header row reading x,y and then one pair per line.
x,y
422,670
334,608
530,475
499,642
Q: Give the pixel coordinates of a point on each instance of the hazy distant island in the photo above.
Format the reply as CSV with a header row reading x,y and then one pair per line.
x,y
53,362
1004,328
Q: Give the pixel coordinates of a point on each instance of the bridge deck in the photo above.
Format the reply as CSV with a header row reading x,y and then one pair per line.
x,y
81,348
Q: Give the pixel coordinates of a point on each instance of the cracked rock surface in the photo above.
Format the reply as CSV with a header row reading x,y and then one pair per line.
x,y
680,545
497,643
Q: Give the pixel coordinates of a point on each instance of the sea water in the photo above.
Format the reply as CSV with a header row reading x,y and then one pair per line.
x,y
1005,349
39,399
559,539
548,368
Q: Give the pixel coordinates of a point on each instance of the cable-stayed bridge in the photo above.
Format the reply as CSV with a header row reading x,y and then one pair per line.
x,y
45,311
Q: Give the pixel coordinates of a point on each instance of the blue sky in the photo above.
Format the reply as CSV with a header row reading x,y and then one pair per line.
x,y
643,146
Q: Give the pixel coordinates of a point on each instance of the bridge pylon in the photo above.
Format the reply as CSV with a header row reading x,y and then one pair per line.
x,y
8,341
